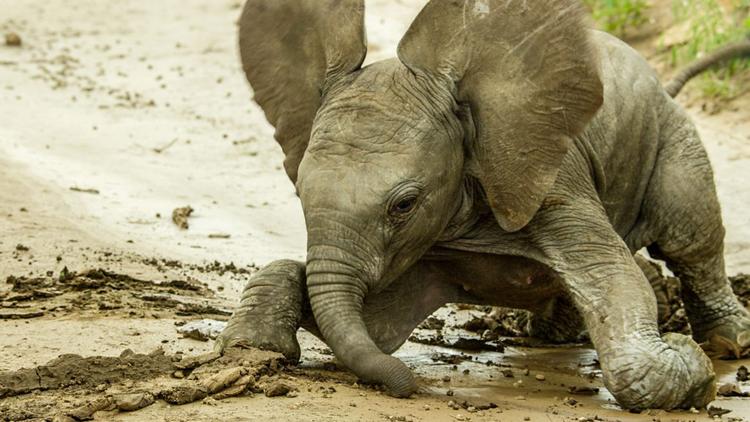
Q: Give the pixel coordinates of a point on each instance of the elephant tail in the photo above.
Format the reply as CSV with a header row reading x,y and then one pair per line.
x,y
730,51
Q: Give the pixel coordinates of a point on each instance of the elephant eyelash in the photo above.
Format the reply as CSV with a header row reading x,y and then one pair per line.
x,y
403,202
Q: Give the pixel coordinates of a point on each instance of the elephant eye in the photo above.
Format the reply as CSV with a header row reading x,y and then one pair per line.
x,y
404,206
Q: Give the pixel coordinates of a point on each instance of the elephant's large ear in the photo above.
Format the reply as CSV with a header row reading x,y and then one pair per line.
x,y
291,50
530,79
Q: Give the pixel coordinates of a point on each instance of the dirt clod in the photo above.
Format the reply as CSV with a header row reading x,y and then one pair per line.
x,y
191,362
583,390
85,190
223,379
731,389
133,401
86,411
276,389
202,330
183,394
180,216
714,411
742,373
13,40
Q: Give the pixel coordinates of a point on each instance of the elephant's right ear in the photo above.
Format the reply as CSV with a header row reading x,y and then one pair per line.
x,y
291,50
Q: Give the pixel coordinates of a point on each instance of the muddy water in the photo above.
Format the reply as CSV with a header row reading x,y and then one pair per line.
x,y
482,379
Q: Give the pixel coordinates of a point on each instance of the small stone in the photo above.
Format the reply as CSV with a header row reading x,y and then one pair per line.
x,y
694,411
449,393
526,371
518,383
507,373
539,377
446,379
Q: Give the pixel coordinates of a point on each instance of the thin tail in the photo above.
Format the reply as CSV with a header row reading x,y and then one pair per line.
x,y
727,52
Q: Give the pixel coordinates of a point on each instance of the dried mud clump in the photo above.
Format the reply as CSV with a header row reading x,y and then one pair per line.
x,y
180,216
75,388
13,40
74,370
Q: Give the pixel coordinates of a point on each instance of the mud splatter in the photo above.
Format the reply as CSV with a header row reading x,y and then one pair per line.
x,y
99,290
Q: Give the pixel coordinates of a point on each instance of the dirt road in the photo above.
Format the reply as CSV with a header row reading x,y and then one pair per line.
x,y
112,114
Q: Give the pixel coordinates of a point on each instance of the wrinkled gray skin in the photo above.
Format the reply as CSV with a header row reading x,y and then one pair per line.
x,y
509,157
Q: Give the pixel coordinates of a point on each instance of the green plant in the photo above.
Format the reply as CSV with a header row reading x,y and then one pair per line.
x,y
617,16
712,27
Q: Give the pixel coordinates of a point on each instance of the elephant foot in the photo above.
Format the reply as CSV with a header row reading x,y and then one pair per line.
x,y
260,335
270,311
637,377
729,338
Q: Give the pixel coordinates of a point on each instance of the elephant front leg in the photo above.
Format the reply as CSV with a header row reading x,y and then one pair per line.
x,y
640,368
272,307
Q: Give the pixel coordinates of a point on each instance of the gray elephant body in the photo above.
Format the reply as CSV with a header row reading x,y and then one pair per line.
x,y
429,180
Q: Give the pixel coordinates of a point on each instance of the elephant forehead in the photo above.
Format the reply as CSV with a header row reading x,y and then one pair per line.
x,y
381,104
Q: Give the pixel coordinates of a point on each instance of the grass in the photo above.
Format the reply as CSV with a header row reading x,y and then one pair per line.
x,y
711,26
617,16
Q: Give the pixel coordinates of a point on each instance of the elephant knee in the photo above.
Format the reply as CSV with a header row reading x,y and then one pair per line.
x,y
637,376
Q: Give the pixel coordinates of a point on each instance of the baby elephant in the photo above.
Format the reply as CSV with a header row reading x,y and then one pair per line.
x,y
511,157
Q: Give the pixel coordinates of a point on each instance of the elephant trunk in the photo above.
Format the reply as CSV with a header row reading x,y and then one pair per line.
x,y
337,289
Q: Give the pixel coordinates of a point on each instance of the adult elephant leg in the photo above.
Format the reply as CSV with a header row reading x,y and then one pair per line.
x,y
272,307
683,214
619,310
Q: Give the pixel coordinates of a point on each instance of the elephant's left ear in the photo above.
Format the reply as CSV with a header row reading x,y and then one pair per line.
x,y
530,78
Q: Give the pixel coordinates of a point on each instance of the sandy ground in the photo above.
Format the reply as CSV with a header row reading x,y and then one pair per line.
x,y
144,103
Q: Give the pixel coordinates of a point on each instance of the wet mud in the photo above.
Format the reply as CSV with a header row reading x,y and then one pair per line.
x,y
72,387
101,291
